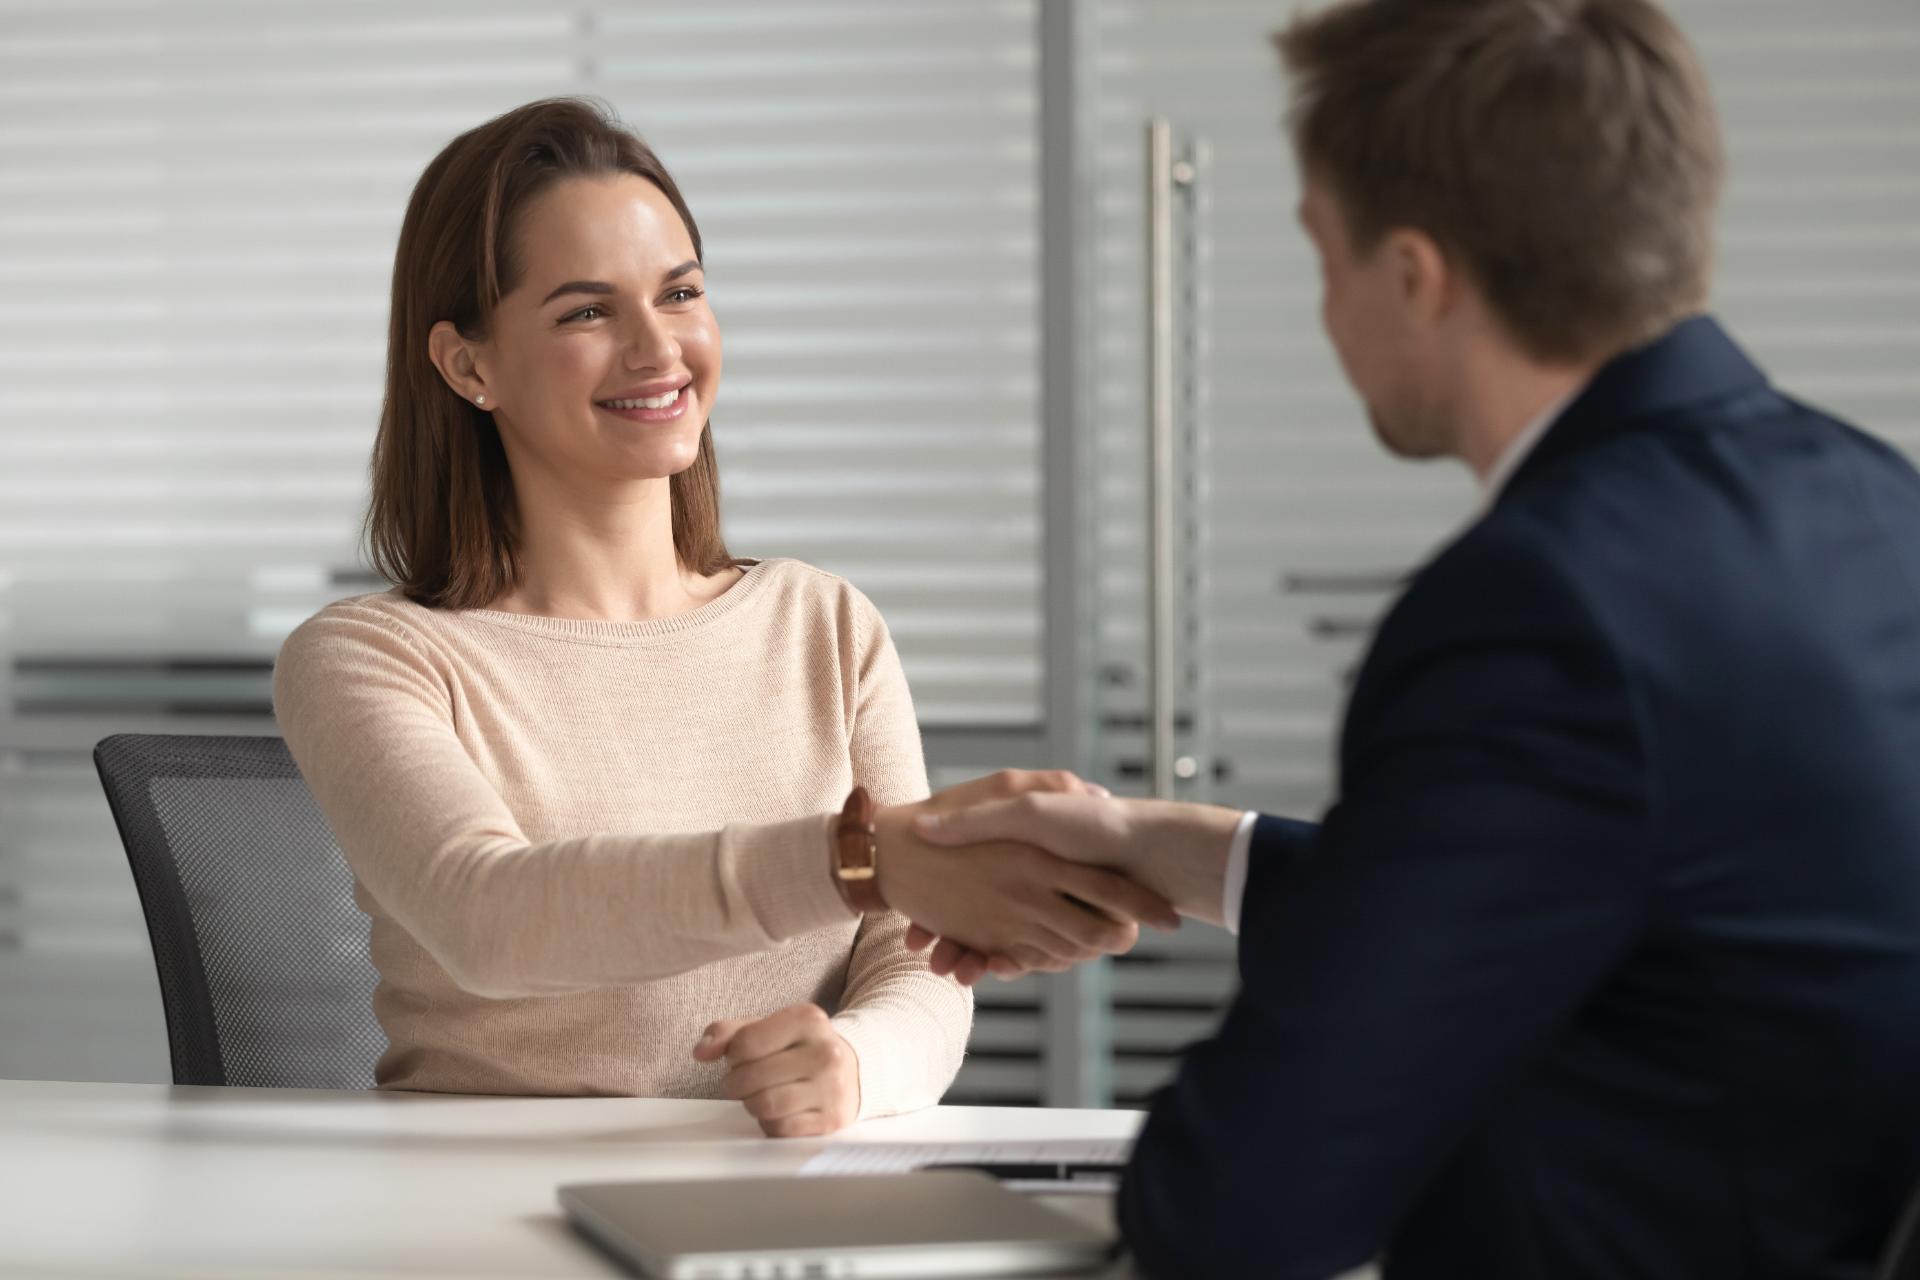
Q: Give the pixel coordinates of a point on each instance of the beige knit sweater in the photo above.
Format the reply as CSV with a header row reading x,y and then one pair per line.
x,y
580,842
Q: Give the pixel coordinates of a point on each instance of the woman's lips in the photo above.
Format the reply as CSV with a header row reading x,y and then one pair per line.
x,y
666,413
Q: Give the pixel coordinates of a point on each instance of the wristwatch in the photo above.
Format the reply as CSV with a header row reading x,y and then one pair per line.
x,y
856,855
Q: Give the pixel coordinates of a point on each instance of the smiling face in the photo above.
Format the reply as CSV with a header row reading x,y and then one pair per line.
x,y
602,362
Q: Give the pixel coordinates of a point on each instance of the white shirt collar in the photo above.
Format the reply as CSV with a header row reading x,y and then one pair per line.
x,y
1521,445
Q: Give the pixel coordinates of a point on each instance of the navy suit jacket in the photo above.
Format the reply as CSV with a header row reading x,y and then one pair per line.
x,y
1606,961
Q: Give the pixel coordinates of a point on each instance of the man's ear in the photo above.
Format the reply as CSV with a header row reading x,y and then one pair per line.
x,y
1422,272
458,361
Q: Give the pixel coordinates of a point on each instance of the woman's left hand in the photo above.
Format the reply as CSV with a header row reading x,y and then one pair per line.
x,y
791,1069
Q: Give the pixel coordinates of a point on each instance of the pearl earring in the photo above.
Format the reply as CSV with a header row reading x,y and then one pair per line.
x,y
480,399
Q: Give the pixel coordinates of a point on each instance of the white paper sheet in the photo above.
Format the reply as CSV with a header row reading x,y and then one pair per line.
x,y
899,1157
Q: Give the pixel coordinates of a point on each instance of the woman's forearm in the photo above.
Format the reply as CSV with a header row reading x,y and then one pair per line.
x,y
908,1026
511,919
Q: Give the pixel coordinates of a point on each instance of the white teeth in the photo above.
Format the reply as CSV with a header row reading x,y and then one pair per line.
x,y
645,402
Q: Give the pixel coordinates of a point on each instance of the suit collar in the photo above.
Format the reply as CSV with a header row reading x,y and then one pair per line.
x,y
1694,362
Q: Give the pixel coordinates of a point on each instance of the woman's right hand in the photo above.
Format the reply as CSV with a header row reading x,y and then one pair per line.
x,y
1007,899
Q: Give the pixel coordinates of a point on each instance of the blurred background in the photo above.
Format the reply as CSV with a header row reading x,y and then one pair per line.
x,y
929,237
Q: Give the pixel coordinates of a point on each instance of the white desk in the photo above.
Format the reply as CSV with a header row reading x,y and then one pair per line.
x,y
138,1180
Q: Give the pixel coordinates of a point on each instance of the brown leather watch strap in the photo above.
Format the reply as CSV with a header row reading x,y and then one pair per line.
x,y
856,855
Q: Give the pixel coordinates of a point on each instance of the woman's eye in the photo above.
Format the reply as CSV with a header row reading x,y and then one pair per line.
x,y
686,293
581,314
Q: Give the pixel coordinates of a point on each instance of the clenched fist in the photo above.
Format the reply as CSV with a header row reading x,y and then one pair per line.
x,y
790,1069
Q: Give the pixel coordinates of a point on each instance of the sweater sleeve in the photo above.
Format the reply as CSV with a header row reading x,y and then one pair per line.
x,y
369,718
908,1028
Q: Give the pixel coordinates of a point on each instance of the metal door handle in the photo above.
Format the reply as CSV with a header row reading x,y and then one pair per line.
x,y
1163,174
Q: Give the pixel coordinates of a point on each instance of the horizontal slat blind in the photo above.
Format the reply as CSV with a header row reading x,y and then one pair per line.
x,y
200,207
1820,241
199,202
1310,525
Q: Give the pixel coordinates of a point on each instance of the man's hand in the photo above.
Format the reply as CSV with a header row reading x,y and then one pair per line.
x,y
1010,899
1007,784
791,1069
1179,851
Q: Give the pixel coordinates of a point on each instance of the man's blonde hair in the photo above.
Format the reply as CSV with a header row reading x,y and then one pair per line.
x,y
1565,152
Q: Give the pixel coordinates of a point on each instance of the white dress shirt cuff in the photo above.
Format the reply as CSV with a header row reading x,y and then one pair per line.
x,y
1235,887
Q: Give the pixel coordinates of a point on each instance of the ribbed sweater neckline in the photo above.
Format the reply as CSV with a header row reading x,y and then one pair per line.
x,y
605,632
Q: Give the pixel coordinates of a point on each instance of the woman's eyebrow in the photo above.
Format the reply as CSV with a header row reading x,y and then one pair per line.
x,y
578,286
602,287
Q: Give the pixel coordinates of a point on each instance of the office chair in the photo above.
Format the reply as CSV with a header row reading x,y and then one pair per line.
x,y
1903,1252
265,971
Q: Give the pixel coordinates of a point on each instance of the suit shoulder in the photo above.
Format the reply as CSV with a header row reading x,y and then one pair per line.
x,y
1505,562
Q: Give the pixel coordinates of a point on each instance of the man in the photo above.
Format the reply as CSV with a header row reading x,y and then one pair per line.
x,y
1606,961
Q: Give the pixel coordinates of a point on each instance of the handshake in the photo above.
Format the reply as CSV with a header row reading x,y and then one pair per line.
x,y
1025,871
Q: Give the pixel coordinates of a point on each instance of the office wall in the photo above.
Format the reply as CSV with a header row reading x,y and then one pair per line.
x,y
198,202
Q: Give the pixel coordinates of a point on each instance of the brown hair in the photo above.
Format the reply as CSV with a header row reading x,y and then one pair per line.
x,y
442,523
1565,152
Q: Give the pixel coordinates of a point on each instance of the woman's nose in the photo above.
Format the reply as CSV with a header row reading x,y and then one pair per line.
x,y
651,343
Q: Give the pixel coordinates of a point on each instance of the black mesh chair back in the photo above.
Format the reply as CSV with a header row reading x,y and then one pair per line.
x,y
1903,1254
264,964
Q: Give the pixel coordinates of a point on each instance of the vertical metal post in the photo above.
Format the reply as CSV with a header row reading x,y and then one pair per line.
x,y
1076,1048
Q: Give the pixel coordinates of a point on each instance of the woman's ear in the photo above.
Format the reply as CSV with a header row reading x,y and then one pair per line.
x,y
457,360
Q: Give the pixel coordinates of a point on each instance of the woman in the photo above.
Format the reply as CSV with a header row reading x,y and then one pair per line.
x,y
586,766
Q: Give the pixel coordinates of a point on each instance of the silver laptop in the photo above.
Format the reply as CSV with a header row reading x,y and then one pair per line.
x,y
943,1223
